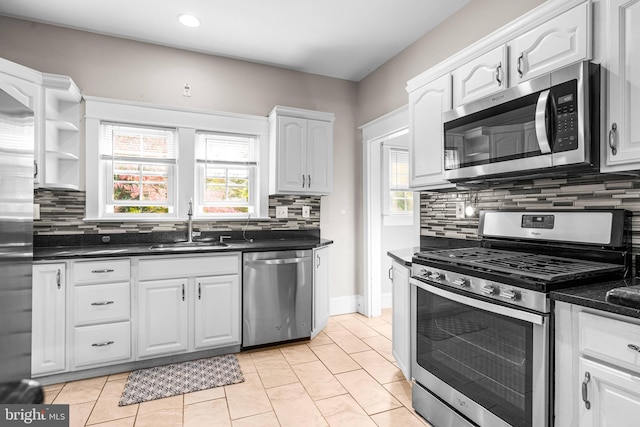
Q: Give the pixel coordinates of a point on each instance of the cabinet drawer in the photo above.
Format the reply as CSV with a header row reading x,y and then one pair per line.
x,y
101,271
101,303
164,268
102,343
610,340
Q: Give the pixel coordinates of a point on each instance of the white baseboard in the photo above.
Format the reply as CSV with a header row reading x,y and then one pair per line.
x,y
386,300
346,304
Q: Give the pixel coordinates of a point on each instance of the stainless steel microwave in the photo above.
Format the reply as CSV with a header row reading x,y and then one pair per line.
x,y
544,126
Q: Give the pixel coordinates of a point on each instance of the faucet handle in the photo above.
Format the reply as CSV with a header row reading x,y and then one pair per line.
x,y
190,212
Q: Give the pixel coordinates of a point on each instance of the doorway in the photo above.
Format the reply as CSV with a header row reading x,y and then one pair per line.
x,y
383,232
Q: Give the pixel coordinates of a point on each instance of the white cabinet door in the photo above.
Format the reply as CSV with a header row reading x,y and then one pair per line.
x,y
622,146
426,144
320,290
480,77
291,154
162,317
301,151
401,321
613,396
319,157
560,41
48,319
217,311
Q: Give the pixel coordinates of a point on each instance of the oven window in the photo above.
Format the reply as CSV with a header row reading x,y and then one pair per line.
x,y
486,356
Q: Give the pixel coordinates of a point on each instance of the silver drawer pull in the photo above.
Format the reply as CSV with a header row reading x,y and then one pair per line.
x,y
585,397
634,347
102,344
106,270
102,303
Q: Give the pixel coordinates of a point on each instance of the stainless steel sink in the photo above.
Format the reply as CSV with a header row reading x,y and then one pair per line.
x,y
187,246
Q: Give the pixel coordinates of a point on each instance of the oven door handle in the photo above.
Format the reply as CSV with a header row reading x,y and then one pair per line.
x,y
482,305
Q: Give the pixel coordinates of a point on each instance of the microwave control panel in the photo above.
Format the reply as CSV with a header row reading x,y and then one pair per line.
x,y
566,131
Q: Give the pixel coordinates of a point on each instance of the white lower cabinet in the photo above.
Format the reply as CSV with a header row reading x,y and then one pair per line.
x,y
597,368
401,321
196,305
320,290
162,317
101,315
48,353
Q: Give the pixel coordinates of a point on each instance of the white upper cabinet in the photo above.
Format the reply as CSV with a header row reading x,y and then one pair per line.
x,y
621,146
426,105
301,151
480,77
555,43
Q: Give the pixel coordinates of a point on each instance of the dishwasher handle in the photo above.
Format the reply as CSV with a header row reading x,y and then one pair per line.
x,y
278,261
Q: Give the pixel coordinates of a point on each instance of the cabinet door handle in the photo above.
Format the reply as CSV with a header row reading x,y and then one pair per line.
x,y
587,378
634,347
35,169
105,270
199,291
498,70
612,139
520,60
309,181
317,260
102,302
183,292
59,279
390,274
102,344
303,180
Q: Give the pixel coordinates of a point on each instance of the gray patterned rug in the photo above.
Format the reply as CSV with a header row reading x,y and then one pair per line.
x,y
179,378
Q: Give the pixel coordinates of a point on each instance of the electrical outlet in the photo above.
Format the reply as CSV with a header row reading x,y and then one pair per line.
x,y
460,210
36,211
306,211
282,212
186,90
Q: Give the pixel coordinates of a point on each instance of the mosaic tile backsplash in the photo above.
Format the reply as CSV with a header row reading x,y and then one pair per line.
x,y
62,212
595,191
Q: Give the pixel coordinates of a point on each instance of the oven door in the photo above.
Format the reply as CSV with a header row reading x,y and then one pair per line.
x,y
488,361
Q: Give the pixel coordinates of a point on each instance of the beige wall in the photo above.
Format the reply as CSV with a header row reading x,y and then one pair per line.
x,y
117,68
383,90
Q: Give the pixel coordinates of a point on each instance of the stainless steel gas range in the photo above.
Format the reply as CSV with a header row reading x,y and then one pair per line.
x,y
481,347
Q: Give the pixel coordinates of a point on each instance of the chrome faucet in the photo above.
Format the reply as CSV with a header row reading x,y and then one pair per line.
x,y
190,222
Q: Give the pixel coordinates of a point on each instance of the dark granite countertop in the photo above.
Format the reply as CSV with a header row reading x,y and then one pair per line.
x,y
65,247
428,243
594,296
403,256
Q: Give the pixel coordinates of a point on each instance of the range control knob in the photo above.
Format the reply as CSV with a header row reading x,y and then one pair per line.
x,y
462,282
509,294
488,290
423,272
434,275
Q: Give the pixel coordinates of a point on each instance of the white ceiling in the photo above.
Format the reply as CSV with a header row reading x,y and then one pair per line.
x,y
346,39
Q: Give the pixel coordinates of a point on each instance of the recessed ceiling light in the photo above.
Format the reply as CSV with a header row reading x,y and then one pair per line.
x,y
188,20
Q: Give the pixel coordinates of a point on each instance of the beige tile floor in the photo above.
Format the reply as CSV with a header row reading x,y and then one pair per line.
x,y
346,376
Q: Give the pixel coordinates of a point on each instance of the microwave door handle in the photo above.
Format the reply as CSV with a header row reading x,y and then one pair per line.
x,y
541,122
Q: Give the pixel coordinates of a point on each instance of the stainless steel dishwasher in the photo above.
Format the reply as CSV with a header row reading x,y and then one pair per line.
x,y
276,296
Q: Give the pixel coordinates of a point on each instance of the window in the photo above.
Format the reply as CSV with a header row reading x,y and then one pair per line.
x,y
398,198
139,169
145,162
226,174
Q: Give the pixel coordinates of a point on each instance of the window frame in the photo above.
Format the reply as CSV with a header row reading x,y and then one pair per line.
x,y
390,217
186,122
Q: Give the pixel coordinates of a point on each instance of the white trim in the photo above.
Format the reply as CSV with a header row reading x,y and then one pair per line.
x,y
373,134
186,121
346,304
